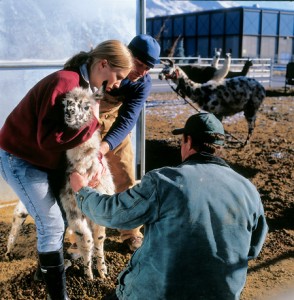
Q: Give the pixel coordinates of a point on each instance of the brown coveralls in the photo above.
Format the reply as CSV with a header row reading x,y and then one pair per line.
x,y
120,159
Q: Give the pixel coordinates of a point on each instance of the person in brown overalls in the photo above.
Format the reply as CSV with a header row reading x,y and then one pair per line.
x,y
119,112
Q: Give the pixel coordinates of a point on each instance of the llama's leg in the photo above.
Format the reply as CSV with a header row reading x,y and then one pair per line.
x,y
73,248
99,236
251,125
79,225
19,216
250,116
84,242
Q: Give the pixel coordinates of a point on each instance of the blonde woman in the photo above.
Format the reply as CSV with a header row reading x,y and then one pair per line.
x,y
34,139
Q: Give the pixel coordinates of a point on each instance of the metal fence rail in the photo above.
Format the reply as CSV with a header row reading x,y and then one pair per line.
x,y
262,69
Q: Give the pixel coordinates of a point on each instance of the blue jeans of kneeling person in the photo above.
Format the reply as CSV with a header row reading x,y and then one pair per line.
x,y
31,185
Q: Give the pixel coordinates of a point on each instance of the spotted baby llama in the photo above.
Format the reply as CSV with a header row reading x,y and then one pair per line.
x,y
85,158
224,98
20,214
202,74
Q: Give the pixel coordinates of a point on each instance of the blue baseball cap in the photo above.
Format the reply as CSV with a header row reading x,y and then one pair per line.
x,y
146,49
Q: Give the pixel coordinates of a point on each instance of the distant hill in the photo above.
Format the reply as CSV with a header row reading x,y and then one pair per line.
x,y
173,7
169,7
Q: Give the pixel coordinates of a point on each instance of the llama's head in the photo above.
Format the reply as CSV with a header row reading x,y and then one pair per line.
x,y
248,63
171,71
78,105
218,52
168,69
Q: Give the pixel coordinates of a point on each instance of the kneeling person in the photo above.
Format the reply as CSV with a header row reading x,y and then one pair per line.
x,y
203,222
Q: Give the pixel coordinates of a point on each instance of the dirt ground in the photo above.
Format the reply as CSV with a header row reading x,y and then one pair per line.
x,y
267,162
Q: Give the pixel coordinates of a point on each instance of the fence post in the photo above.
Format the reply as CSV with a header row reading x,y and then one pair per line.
x,y
271,73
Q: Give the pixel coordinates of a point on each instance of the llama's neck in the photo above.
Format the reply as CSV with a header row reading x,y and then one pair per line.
x,y
215,61
245,69
186,86
181,73
223,72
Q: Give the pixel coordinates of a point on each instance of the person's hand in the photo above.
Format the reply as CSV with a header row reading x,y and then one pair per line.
x,y
96,178
104,147
77,181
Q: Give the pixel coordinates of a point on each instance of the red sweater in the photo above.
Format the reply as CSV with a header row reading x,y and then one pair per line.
x,y
35,129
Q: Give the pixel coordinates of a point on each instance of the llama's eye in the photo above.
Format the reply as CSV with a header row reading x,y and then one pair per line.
x,y
86,107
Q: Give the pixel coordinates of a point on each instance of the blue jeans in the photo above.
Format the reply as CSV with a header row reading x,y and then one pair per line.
x,y
31,185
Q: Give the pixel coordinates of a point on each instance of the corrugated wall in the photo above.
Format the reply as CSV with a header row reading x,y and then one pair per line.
x,y
248,32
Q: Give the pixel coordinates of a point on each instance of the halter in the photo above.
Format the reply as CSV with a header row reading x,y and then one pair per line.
x,y
174,76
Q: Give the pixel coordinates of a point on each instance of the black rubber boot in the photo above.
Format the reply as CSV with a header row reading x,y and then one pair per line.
x,y
52,268
38,274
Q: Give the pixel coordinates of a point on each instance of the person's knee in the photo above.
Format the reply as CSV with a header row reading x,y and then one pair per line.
x,y
51,238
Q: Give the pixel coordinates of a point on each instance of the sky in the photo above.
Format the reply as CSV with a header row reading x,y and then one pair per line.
x,y
174,7
269,4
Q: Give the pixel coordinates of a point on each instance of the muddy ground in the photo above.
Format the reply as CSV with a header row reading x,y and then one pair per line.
x,y
267,162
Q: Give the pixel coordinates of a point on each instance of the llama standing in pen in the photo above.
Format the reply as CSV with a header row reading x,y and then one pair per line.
x,y
202,74
84,158
248,64
224,98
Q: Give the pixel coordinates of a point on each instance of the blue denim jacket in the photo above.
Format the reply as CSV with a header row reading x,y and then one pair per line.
x,y
203,222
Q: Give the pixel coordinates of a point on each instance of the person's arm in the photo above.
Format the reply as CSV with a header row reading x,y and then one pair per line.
x,y
132,208
258,234
136,95
104,147
52,133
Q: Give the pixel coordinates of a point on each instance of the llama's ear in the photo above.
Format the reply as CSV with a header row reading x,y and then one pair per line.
x,y
171,63
177,72
167,62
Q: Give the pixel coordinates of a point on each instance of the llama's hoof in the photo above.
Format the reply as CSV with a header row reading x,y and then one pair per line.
x,y
74,252
246,143
134,242
8,256
67,264
103,272
89,274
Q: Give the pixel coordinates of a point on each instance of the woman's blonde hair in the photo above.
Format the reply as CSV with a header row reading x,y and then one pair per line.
x,y
115,52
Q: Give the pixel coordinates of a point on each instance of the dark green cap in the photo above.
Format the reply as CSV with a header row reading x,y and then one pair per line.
x,y
204,127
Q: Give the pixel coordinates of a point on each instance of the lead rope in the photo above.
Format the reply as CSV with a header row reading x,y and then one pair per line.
x,y
180,96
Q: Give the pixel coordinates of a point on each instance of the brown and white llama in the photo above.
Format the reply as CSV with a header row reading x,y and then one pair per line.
x,y
224,98
202,74
84,158
20,214
248,64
